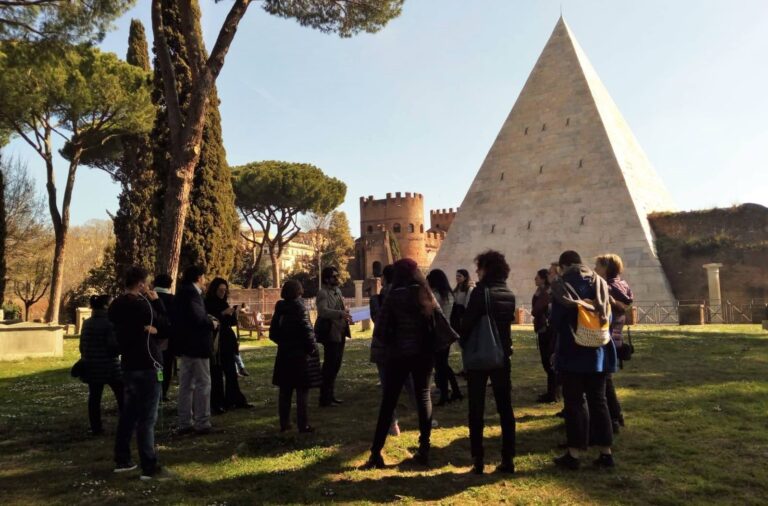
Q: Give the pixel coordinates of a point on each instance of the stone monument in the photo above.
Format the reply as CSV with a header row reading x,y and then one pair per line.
x,y
565,172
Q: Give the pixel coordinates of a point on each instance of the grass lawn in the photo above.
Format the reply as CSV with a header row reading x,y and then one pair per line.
x,y
695,398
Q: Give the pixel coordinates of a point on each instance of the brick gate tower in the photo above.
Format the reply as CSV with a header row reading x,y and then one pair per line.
x,y
565,172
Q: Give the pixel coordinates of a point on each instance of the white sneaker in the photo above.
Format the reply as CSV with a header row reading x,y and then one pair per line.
x,y
124,468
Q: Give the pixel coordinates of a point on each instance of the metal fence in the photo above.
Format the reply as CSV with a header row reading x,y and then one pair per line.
x,y
668,313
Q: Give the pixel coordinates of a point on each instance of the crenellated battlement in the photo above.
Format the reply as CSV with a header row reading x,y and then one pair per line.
x,y
442,219
398,199
444,212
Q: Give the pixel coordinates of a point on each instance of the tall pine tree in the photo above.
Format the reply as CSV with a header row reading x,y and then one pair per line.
x,y
136,220
211,228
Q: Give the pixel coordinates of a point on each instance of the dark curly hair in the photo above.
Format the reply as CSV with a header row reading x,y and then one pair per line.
x,y
493,264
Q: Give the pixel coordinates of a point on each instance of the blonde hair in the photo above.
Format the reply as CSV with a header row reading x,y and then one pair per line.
x,y
612,263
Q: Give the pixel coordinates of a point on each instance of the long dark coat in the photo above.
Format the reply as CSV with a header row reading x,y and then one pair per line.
x,y
297,363
99,350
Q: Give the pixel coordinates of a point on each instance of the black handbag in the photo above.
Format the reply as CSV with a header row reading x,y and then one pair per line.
x,y
445,336
322,330
483,350
626,349
78,369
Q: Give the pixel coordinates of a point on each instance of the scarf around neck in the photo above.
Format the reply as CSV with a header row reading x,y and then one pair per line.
x,y
565,294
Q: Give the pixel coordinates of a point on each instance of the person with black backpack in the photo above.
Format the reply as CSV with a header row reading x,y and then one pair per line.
x,y
491,305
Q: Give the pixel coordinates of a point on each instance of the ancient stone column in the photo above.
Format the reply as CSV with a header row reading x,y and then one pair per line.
x,y
366,324
713,278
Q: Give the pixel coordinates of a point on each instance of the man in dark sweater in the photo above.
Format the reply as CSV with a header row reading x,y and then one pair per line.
x,y
162,285
138,315
194,344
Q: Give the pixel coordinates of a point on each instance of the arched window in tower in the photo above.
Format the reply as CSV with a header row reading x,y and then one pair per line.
x,y
411,228
421,228
396,228
370,229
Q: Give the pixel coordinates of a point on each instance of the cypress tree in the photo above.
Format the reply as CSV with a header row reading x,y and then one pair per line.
x,y
136,222
211,227
3,266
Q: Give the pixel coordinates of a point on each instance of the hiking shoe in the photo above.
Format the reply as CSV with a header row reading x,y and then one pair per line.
x,y
375,461
125,467
605,460
394,429
159,474
568,461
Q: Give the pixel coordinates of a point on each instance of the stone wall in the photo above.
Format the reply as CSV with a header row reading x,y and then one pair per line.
x,y
737,237
31,340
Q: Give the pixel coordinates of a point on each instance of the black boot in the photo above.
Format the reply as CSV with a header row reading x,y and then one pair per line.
x,y
507,466
421,457
478,465
375,461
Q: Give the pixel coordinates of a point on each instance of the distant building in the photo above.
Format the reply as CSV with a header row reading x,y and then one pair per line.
x,y
295,253
392,228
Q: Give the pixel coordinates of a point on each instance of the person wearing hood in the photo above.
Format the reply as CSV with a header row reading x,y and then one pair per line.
x,y
583,369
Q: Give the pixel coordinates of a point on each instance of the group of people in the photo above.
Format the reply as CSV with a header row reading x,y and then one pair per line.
x,y
407,348
132,343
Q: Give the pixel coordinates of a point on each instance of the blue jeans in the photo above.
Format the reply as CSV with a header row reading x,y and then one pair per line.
x,y
142,395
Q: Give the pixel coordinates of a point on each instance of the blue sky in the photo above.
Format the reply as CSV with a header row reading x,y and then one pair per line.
x,y
417,106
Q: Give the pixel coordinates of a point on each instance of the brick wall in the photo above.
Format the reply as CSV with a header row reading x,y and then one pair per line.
x,y
737,237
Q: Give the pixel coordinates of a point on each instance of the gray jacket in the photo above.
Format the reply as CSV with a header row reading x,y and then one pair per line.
x,y
330,305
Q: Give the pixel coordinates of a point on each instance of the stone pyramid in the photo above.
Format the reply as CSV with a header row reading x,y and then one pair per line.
x,y
565,172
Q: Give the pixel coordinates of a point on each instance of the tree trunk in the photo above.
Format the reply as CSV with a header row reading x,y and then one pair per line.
x,y
60,227
176,203
26,310
57,277
275,268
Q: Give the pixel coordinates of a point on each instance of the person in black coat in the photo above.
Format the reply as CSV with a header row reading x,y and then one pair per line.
x,y
403,330
297,364
101,360
162,286
194,346
492,270
225,387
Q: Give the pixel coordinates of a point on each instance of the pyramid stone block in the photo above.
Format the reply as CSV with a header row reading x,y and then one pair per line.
x,y
565,172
